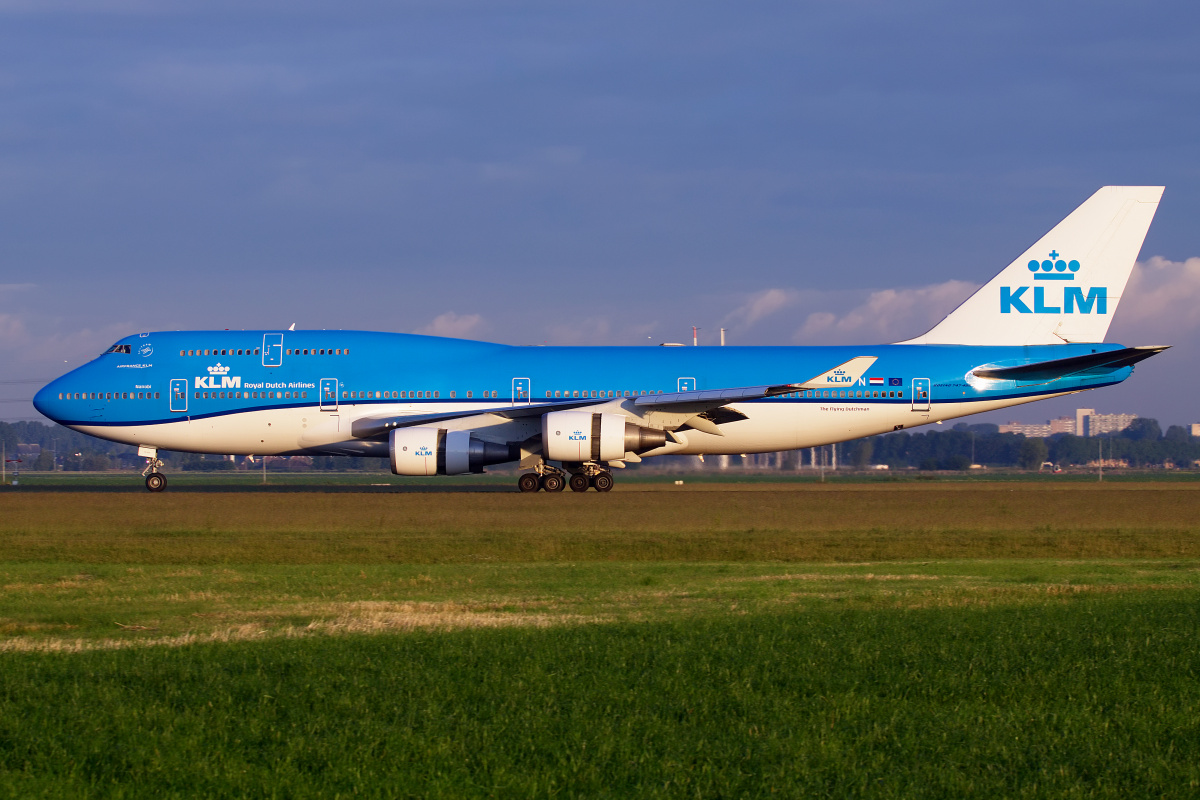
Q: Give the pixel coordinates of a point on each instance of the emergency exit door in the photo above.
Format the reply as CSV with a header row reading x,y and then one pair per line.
x,y
272,350
179,392
520,391
920,394
329,398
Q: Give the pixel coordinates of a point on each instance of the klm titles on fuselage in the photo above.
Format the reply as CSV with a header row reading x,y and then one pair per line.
x,y
1070,301
227,381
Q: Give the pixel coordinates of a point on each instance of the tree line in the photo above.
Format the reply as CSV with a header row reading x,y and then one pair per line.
x,y
1142,444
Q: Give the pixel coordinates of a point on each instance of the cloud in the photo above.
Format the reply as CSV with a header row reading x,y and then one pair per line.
x,y
1160,303
759,306
886,315
600,330
452,325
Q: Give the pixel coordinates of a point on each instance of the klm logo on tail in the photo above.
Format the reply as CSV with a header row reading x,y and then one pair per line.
x,y
1070,300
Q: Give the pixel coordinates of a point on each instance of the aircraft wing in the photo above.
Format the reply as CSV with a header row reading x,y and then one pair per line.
x,y
846,374
1062,367
378,427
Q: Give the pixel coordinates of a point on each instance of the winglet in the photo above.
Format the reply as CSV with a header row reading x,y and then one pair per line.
x,y
842,375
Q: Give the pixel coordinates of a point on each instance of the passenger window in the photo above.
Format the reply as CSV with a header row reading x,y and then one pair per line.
x,y
437,395
471,394
346,351
256,351
452,394
306,351
495,395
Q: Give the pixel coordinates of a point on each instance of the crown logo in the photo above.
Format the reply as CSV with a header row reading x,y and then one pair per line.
x,y
218,370
1054,268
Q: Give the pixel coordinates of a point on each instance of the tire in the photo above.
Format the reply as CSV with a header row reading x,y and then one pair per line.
x,y
579,482
528,482
156,481
553,482
603,482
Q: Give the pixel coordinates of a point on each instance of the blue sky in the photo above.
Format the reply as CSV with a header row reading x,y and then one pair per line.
x,y
607,173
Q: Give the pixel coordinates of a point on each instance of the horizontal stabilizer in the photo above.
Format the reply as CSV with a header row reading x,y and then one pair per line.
x,y
1062,367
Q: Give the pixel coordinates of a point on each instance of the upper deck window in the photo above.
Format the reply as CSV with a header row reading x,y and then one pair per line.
x,y
120,348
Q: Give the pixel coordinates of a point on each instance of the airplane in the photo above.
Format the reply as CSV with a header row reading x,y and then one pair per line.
x,y
569,416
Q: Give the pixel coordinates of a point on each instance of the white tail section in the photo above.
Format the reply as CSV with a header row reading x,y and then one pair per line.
x,y
1066,287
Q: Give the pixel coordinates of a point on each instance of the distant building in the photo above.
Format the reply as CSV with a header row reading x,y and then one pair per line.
x,y
1196,429
1086,423
1099,424
1051,427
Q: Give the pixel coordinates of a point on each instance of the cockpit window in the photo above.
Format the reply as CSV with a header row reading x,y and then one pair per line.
x,y
119,348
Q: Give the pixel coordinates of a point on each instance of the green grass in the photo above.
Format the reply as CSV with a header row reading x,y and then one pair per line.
x,y
912,640
730,523
1089,697
75,607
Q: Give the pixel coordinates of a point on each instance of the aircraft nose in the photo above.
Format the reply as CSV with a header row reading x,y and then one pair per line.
x,y
46,399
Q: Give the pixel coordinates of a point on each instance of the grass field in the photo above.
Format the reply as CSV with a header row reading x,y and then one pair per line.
x,y
920,640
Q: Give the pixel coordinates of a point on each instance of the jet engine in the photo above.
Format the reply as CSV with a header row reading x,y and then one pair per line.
x,y
585,436
437,451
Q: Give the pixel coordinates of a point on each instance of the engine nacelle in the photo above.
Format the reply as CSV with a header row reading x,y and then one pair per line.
x,y
585,436
437,451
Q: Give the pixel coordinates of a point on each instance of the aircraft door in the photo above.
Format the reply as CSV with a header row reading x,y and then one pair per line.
x,y
179,393
520,391
686,385
920,394
272,350
329,394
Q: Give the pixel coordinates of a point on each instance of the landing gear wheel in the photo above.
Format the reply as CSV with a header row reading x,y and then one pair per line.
x,y
528,482
553,482
579,482
603,482
156,481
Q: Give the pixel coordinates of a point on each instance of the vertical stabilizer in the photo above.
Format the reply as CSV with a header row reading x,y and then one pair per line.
x,y
1067,286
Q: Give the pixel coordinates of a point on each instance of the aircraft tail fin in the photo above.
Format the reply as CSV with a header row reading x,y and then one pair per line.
x,y
1065,287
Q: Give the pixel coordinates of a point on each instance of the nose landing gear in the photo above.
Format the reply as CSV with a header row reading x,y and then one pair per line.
x,y
155,480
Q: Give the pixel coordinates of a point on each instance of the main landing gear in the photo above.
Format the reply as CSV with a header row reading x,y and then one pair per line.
x,y
155,480
551,479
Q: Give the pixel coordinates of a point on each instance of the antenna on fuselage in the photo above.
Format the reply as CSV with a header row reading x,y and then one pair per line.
x,y
293,327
